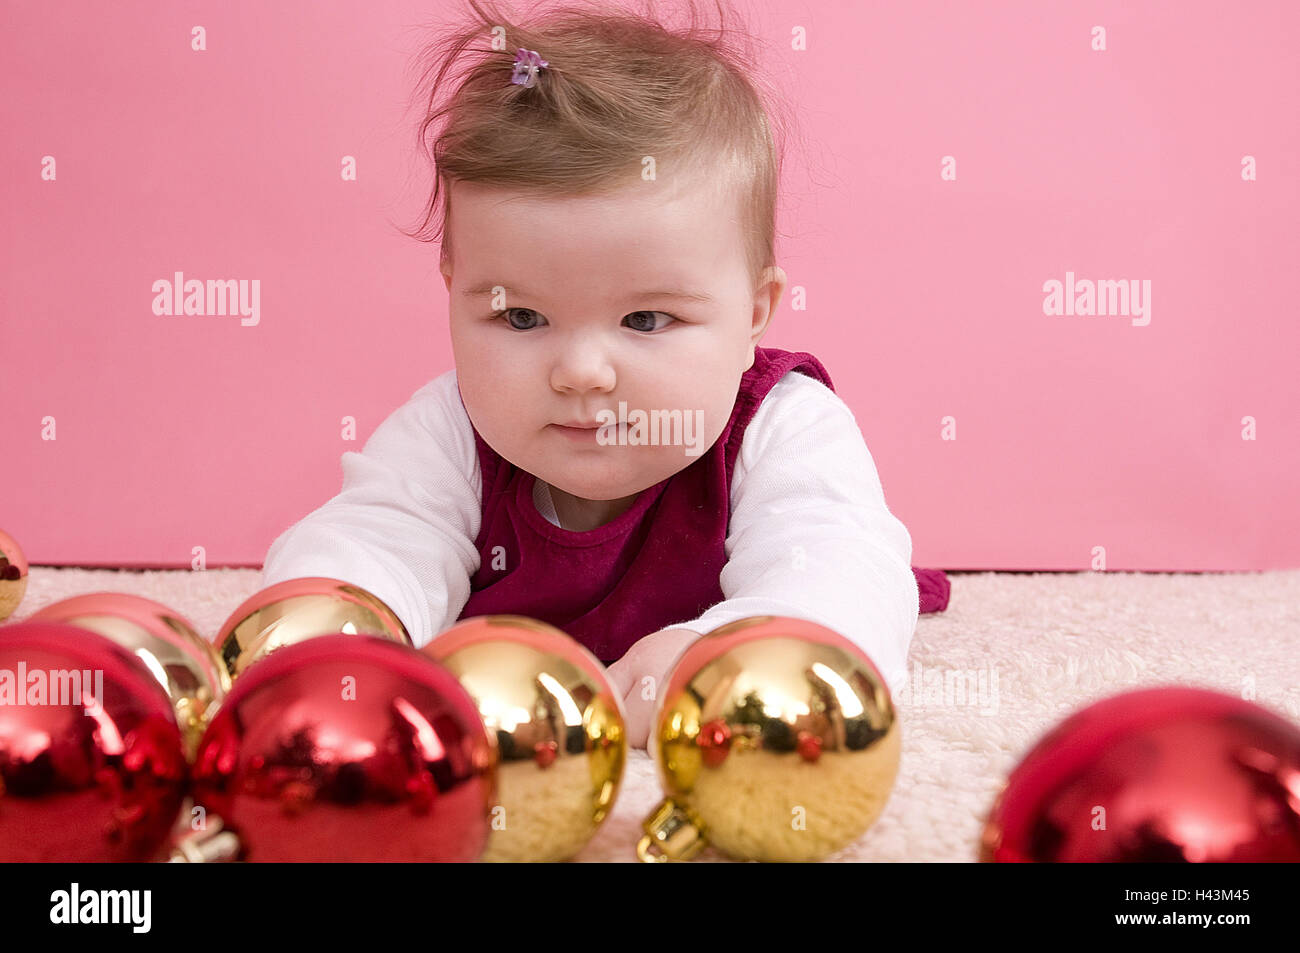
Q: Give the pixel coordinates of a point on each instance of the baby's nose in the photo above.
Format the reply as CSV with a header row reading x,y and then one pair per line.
x,y
582,369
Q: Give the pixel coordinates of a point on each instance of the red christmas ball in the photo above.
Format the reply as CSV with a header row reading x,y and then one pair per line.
x,y
91,763
1163,774
348,748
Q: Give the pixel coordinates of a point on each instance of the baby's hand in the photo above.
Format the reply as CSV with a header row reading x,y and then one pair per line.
x,y
651,657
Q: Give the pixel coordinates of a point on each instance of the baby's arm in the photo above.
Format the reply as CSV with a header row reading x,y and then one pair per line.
x,y
404,524
810,535
652,657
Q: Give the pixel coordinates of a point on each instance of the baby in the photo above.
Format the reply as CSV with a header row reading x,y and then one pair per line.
x,y
608,192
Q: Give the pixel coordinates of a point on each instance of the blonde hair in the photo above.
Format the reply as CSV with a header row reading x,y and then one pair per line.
x,y
619,86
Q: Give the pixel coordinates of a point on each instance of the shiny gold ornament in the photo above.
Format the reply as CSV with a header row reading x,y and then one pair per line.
x,y
13,575
183,662
559,726
299,609
776,740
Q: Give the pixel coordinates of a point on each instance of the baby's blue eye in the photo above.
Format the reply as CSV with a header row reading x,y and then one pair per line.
x,y
651,315
508,311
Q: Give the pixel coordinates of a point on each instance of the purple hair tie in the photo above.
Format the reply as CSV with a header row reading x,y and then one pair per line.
x,y
527,65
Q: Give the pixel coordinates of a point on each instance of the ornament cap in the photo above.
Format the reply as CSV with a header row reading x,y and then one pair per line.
x,y
671,834
213,845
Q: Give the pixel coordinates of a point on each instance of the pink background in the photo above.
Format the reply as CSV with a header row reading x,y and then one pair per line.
x,y
924,296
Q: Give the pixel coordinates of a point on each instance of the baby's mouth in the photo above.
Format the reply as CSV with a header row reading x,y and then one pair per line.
x,y
587,432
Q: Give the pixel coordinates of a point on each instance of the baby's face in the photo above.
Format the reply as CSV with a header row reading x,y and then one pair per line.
x,y
580,326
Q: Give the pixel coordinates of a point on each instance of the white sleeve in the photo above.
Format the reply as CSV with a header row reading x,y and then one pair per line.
x,y
404,525
810,535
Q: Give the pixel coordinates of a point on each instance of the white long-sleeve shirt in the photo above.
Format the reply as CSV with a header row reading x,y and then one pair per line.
x,y
809,533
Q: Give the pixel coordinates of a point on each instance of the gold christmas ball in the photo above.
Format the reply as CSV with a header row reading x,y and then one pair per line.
x,y
559,726
776,740
299,609
13,575
183,662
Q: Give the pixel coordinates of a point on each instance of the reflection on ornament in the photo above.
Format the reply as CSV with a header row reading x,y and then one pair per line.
x,y
183,662
347,748
13,575
776,740
298,609
91,764
1151,776
559,727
